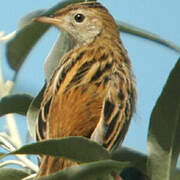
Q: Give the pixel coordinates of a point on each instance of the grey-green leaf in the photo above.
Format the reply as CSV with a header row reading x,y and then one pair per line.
x,y
136,158
63,44
88,171
130,173
12,174
19,47
164,130
17,103
28,35
29,18
76,148
130,29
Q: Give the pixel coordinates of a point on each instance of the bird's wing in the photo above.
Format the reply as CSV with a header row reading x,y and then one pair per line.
x,y
43,113
116,113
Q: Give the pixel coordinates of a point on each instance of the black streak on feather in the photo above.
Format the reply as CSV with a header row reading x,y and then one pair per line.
x,y
41,127
121,134
108,109
103,57
99,72
84,68
120,95
127,110
105,80
111,126
65,70
46,108
61,78
97,75
98,84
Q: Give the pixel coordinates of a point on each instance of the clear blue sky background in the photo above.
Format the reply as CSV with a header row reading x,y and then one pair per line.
x,y
151,62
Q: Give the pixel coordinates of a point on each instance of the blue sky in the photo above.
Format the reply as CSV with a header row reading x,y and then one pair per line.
x,y
151,62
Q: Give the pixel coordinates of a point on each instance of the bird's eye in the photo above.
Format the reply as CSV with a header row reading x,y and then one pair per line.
x,y
79,18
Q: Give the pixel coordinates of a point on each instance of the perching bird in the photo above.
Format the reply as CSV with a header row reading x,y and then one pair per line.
x,y
92,93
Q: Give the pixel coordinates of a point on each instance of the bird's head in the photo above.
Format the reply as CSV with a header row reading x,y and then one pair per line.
x,y
83,21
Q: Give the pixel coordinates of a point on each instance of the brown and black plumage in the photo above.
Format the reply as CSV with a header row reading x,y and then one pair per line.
x,y
92,93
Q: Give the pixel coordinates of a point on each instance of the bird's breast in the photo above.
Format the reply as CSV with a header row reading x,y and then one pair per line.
x,y
75,112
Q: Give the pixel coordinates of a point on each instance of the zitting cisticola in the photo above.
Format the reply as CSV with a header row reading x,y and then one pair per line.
x,y
92,93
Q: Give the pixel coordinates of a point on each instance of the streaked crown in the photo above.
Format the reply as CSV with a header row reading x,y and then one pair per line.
x,y
84,21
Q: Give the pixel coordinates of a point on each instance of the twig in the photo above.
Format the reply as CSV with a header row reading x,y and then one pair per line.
x,y
5,38
13,130
9,147
12,162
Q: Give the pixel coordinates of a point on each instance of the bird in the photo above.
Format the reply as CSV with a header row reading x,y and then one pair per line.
x,y
92,92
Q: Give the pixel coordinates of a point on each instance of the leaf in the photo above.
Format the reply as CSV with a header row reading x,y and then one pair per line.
x,y
30,177
9,174
88,171
28,35
136,158
176,175
128,28
164,133
76,148
19,47
63,44
17,103
133,173
33,112
29,18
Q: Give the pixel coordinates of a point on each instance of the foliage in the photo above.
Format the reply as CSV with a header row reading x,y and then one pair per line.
x,y
163,149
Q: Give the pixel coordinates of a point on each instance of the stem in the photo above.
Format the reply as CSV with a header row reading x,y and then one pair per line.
x,y
28,163
13,130
12,162
9,147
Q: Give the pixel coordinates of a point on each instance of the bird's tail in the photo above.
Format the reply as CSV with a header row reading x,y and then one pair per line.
x,y
51,164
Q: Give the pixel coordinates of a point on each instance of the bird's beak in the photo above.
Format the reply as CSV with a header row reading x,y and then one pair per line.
x,y
49,20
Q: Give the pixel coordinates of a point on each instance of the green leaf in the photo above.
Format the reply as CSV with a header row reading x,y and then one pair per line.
x,y
12,174
164,130
29,18
63,44
136,158
33,112
19,47
76,148
28,35
88,171
130,29
130,173
30,177
176,175
17,103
